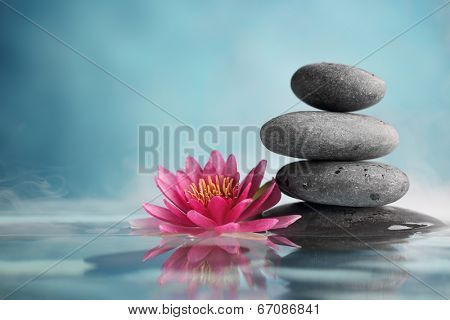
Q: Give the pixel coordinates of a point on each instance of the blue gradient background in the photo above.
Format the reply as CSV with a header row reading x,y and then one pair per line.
x,y
68,130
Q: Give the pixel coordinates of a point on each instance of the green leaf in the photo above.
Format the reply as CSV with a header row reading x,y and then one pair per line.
x,y
262,189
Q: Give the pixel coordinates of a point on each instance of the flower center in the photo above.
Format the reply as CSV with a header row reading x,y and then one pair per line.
x,y
210,187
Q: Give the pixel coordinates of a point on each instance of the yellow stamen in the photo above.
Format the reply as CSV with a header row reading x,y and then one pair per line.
x,y
205,190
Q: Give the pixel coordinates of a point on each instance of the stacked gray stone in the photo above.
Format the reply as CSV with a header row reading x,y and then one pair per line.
x,y
335,142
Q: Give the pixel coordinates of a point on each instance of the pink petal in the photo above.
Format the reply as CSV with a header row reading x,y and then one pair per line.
x,y
271,244
171,193
219,260
154,252
209,170
284,221
215,161
200,220
178,213
255,207
257,225
166,176
198,252
163,247
244,193
171,228
273,198
193,169
166,215
217,209
183,180
182,194
255,177
258,176
147,223
227,228
283,241
245,185
228,244
197,206
237,210
231,168
176,259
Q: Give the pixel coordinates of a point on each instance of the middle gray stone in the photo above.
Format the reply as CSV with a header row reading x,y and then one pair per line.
x,y
343,183
320,135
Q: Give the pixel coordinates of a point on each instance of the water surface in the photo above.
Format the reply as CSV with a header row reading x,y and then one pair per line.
x,y
71,261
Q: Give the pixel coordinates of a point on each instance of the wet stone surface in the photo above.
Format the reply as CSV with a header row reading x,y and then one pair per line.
x,y
386,222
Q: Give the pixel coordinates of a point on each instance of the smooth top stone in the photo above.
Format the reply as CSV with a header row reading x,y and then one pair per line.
x,y
341,183
337,87
318,135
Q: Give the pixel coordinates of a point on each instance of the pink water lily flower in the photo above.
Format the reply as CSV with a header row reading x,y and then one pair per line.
x,y
213,198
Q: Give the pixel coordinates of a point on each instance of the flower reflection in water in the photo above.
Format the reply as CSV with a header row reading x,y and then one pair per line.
x,y
219,263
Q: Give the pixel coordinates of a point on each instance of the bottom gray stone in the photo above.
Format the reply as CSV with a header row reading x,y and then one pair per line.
x,y
350,222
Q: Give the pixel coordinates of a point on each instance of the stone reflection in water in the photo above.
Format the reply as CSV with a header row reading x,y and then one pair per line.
x,y
216,263
348,253
343,274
